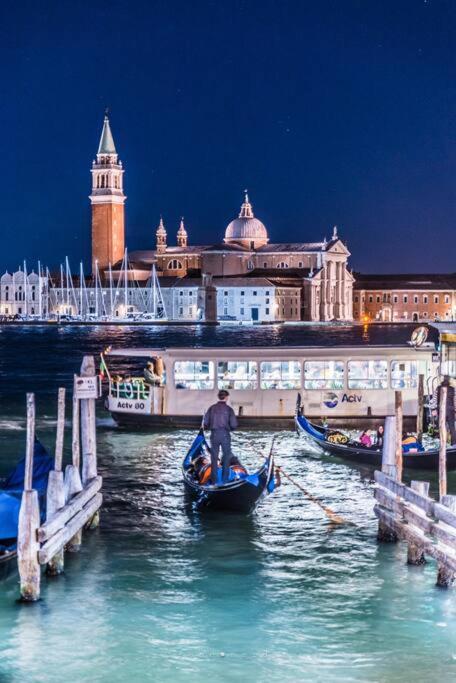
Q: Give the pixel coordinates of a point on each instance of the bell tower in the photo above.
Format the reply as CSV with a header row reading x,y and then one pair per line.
x,y
107,200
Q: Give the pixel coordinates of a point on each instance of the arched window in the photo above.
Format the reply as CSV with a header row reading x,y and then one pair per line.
x,y
174,265
249,265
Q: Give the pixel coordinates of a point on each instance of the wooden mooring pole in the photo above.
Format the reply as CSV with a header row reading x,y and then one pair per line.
x,y
443,442
415,552
385,533
55,498
73,484
88,433
420,413
399,427
29,519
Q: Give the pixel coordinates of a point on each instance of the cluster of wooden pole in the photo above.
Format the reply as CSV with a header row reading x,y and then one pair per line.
x,y
72,501
408,513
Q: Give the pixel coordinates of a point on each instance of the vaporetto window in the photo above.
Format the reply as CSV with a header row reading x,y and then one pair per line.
x,y
237,375
321,374
196,375
404,374
368,374
285,374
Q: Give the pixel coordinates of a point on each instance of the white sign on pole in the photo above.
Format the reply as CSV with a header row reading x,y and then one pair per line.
x,y
88,387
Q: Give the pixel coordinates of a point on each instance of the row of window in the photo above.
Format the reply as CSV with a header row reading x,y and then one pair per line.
x,y
387,299
318,375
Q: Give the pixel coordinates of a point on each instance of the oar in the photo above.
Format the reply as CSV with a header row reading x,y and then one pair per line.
x,y
335,518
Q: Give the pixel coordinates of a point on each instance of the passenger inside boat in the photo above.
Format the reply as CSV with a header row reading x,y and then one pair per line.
x,y
202,469
150,375
365,439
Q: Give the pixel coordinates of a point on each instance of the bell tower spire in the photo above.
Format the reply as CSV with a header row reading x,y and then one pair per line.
x,y
182,236
107,200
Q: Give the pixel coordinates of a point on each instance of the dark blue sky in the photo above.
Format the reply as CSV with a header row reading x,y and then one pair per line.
x,y
337,111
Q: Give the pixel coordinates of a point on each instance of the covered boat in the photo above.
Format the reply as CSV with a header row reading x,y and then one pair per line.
x,y
240,494
10,501
351,450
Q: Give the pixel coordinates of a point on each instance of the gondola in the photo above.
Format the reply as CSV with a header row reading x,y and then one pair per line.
x,y
422,460
240,494
10,502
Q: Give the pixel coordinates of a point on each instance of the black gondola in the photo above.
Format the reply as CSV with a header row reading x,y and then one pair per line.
x,y
240,494
421,460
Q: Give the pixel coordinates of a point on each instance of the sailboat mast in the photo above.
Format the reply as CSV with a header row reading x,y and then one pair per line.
x,y
96,289
81,276
61,288
40,294
154,277
126,282
25,289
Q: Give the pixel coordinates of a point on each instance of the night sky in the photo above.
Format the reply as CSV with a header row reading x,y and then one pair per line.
x,y
329,112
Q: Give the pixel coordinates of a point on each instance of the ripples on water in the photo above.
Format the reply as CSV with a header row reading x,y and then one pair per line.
x,y
161,593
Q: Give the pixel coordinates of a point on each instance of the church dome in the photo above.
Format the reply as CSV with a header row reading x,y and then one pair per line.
x,y
247,228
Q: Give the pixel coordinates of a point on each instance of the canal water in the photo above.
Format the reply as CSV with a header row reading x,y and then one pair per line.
x,y
162,594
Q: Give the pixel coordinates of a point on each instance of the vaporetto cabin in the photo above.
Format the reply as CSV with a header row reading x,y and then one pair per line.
x,y
350,383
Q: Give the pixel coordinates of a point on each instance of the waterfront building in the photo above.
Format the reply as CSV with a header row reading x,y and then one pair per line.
x,y
24,294
229,300
404,298
318,269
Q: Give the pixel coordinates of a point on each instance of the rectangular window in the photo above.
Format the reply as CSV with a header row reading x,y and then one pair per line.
x,y
367,374
225,293
254,293
225,311
267,301
415,299
447,299
281,374
405,299
267,311
194,374
404,374
267,292
242,311
322,374
237,375
242,293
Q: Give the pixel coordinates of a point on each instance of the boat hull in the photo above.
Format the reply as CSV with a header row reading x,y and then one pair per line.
x,y
426,460
158,422
238,495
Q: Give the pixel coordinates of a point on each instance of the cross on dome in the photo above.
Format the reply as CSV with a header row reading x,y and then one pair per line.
x,y
246,208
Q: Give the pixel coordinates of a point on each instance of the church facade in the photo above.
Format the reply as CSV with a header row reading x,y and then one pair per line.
x,y
317,270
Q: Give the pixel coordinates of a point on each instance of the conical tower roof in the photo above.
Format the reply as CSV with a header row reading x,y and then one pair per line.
x,y
106,145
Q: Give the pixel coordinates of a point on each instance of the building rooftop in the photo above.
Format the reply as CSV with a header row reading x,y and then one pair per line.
x,y
412,281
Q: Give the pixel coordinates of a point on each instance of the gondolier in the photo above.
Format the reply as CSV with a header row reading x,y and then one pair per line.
x,y
221,420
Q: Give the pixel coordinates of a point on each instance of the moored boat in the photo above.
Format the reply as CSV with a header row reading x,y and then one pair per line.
x,y
351,450
240,494
10,502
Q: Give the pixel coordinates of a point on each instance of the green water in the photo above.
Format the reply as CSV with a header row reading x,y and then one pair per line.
x,y
159,593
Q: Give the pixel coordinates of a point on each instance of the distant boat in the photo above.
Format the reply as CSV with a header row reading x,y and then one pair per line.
x,y
420,460
241,494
